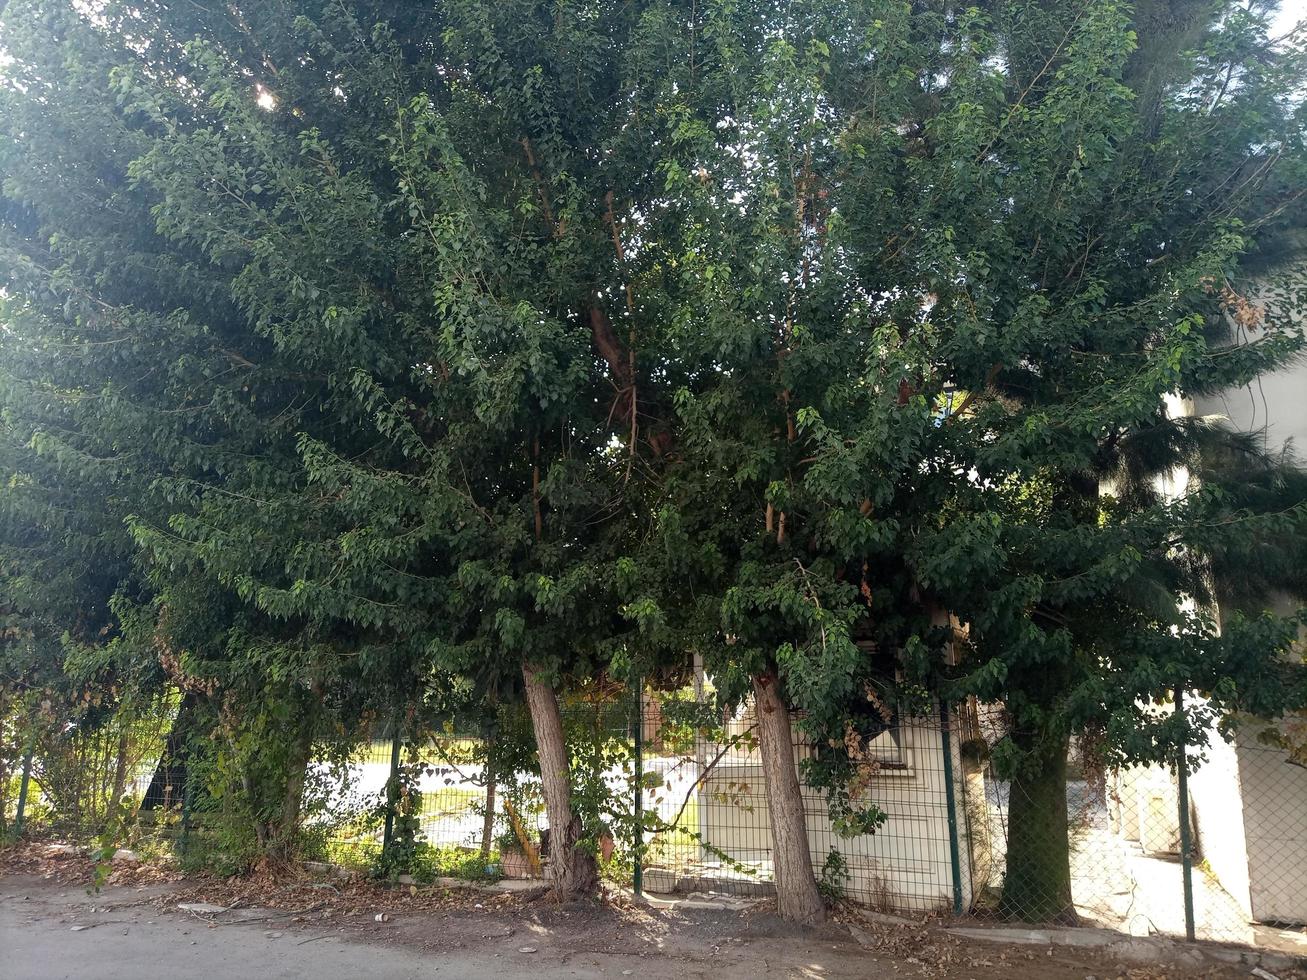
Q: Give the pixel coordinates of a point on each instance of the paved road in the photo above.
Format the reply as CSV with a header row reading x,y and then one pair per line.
x,y
135,944
53,932
59,932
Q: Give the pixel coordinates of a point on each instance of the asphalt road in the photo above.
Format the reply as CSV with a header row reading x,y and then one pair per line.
x,y
54,931
127,946
51,931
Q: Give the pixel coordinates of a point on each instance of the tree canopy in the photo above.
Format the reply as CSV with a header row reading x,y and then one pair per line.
x,y
363,348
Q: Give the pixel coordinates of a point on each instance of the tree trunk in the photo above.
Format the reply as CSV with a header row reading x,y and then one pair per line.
x,y
4,796
1037,885
573,872
282,836
168,785
797,897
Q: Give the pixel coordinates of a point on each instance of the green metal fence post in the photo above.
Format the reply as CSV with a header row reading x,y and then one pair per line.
x,y
392,787
24,782
1186,855
637,721
955,858
188,799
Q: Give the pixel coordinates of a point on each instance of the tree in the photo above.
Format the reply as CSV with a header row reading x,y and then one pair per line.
x,y
134,377
500,341
70,666
382,429
1070,566
950,303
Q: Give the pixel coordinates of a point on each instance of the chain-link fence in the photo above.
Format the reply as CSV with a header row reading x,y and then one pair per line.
x,y
1106,848
1215,849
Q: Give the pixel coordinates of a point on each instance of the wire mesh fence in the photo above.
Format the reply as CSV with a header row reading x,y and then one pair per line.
x,y
710,826
672,792
442,793
470,804
1212,850
73,778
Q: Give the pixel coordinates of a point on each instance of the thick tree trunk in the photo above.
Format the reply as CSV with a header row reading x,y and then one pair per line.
x,y
168,785
283,833
796,886
573,872
1037,885
277,794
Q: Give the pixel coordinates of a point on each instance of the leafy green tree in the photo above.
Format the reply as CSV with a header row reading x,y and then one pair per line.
x,y
136,383
1124,178
950,264
356,337
510,340
71,669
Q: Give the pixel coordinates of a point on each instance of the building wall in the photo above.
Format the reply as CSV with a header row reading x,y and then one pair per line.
x,y
906,865
1276,402
1273,820
1275,828
1216,799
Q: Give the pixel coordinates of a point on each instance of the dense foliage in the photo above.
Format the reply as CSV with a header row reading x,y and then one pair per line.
x,y
367,355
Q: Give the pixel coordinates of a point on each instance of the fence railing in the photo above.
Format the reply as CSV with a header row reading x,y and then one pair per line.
x,y
72,779
1211,849
1214,849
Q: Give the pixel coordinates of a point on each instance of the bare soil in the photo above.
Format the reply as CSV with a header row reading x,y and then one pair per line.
x,y
54,925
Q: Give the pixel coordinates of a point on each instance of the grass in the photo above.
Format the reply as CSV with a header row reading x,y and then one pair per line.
x,y
454,862
449,801
679,845
463,751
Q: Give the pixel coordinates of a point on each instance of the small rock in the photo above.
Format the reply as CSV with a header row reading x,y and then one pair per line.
x,y
126,857
526,949
201,908
76,928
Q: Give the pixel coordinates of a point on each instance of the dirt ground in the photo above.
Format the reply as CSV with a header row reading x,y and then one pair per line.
x,y
53,926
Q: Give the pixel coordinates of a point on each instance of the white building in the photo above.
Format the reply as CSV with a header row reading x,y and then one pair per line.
x,y
912,863
1249,800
